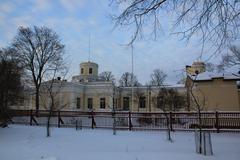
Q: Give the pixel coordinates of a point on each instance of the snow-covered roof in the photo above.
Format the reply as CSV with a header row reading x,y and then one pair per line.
x,y
157,87
206,76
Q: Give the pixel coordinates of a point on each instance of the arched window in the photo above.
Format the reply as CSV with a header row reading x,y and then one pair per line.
x,y
82,70
90,70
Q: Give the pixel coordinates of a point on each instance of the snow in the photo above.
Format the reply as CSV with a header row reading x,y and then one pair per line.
x,y
212,75
20,142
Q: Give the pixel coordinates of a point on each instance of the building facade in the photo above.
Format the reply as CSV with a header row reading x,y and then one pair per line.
x,y
212,91
87,92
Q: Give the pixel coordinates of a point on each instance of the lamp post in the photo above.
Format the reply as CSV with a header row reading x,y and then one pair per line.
x,y
132,78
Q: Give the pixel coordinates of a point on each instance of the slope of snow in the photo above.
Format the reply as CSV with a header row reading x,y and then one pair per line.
x,y
30,143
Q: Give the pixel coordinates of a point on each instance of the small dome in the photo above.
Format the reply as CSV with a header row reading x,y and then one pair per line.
x,y
196,68
89,64
198,63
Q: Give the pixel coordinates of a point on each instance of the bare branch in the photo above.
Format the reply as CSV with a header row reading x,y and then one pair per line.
x,y
39,49
215,21
158,77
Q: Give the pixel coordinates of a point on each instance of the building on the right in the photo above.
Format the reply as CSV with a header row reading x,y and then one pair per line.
x,y
212,91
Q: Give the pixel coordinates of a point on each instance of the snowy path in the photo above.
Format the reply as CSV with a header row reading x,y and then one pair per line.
x,y
29,143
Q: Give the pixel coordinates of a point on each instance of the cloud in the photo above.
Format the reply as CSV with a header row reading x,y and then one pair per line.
x,y
107,47
72,5
41,5
66,24
9,28
6,7
22,21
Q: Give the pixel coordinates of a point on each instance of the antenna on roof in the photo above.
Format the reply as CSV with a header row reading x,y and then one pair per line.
x,y
89,47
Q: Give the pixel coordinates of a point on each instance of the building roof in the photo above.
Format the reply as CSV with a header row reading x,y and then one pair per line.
x,y
208,76
157,87
89,63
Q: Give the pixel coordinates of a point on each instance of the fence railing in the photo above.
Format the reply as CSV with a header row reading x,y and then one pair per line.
x,y
176,121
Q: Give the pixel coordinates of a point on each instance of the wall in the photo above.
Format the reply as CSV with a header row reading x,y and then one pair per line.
x,y
217,94
71,91
150,95
86,66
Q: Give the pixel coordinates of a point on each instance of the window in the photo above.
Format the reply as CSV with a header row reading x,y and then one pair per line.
x,y
90,103
21,101
90,70
114,103
125,103
159,101
102,103
142,102
62,100
82,70
78,102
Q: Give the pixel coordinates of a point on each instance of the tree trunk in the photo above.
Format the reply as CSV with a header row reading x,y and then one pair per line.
x,y
4,114
168,128
48,123
48,128
200,130
114,123
37,100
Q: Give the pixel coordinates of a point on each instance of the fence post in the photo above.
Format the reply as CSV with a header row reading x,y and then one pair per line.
x,y
129,121
217,121
114,122
170,120
31,111
93,121
58,119
76,125
80,124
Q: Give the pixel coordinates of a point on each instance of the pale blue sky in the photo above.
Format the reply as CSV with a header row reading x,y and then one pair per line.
x,y
74,20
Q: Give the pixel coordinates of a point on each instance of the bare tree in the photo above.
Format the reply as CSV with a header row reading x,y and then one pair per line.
x,y
138,93
210,67
198,106
176,101
232,59
163,93
107,76
125,80
181,81
10,84
158,77
167,100
113,89
220,68
38,49
182,76
211,20
50,91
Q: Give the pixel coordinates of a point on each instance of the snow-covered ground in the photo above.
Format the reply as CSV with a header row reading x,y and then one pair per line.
x,y
30,143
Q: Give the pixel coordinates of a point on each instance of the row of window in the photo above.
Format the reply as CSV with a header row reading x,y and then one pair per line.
x,y
141,102
126,102
89,70
90,103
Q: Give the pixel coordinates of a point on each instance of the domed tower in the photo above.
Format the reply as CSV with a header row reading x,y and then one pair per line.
x,y
197,66
88,72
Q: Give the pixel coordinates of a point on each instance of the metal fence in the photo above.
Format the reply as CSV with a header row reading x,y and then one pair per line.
x,y
176,121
